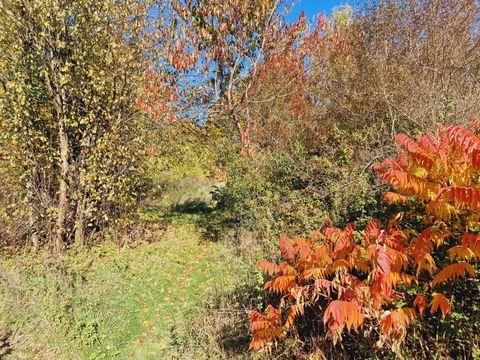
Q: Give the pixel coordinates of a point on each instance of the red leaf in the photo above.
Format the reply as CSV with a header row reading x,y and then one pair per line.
x,y
420,303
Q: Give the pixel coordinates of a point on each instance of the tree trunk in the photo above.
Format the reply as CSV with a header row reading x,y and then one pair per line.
x,y
55,62
32,216
63,187
31,186
80,219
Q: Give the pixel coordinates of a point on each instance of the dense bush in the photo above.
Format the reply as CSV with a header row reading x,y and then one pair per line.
x,y
282,191
72,147
382,280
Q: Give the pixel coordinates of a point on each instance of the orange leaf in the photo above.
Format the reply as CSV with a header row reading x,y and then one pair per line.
x,y
286,248
462,138
424,244
461,196
394,198
344,241
420,303
294,311
439,301
281,285
384,261
461,252
265,328
344,313
372,231
398,277
416,152
340,264
411,184
453,271
267,267
475,124
426,263
428,143
396,319
472,241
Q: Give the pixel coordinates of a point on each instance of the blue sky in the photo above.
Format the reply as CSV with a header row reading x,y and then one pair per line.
x,y
313,7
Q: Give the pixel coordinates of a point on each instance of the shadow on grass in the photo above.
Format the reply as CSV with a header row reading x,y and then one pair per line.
x,y
199,212
192,206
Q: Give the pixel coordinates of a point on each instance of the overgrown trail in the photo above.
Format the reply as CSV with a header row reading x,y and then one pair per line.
x,y
182,274
139,302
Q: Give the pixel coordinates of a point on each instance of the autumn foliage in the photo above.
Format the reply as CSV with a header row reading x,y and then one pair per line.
x,y
386,277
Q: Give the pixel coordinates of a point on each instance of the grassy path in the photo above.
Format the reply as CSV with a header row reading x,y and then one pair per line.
x,y
189,273
111,303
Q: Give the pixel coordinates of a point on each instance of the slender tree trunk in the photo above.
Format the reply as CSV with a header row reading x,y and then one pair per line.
x,y
79,223
63,187
56,60
32,216
62,204
30,186
34,237
89,137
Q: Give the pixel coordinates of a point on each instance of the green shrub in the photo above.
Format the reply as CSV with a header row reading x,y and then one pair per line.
x,y
282,192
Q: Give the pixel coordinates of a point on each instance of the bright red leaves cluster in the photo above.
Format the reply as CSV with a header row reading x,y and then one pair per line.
x,y
361,278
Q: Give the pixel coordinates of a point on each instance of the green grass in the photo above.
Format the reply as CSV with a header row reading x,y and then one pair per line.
x,y
112,303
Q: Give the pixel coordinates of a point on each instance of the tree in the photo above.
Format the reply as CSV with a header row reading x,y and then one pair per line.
x,y
72,135
422,62
214,50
